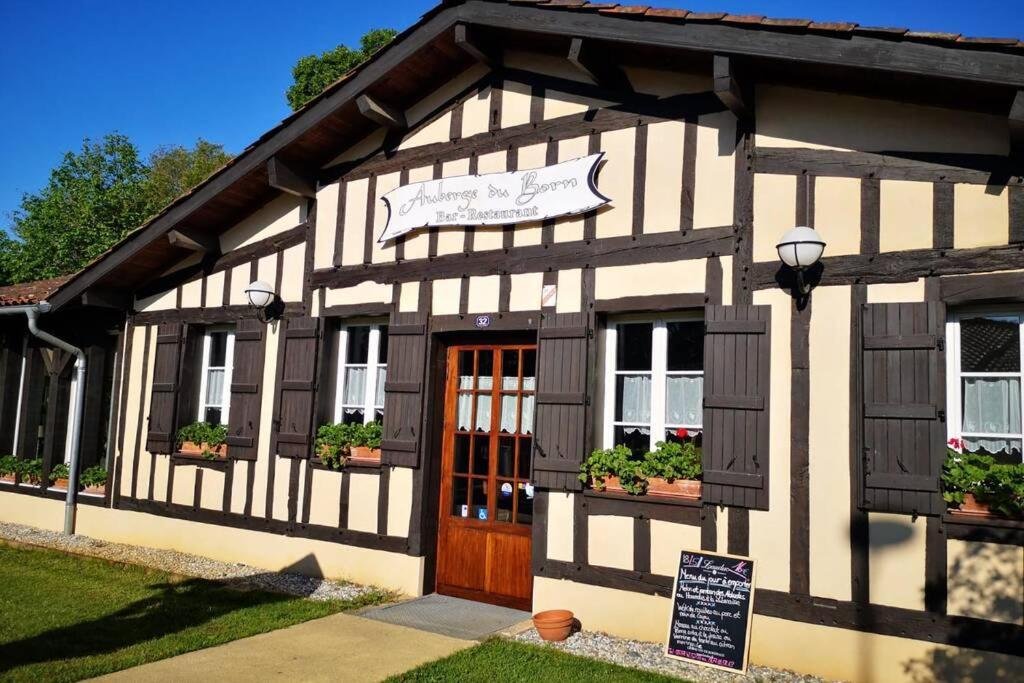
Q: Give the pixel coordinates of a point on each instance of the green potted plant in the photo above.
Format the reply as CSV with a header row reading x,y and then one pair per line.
x,y
31,471
366,441
94,480
204,440
614,470
333,444
673,469
8,468
975,484
59,475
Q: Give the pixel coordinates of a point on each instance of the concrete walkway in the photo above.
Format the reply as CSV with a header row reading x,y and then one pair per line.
x,y
339,647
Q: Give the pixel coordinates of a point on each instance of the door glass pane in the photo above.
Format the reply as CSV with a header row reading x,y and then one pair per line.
x,y
506,457
479,509
684,400
685,345
525,453
506,495
509,410
460,494
485,370
633,398
633,350
358,347
509,370
529,370
524,511
481,455
990,344
483,412
465,369
991,405
461,464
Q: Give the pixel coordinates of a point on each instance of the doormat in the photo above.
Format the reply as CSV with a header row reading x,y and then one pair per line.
x,y
449,616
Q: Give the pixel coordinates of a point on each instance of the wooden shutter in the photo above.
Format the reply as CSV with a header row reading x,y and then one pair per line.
x,y
164,399
296,387
403,390
12,347
904,403
246,378
561,420
737,360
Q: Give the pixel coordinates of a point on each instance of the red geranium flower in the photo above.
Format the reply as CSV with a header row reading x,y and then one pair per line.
x,y
682,433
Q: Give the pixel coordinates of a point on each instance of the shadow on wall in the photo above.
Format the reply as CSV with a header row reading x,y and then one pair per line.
x,y
962,667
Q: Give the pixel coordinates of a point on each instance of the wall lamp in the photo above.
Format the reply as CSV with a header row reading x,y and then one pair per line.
x,y
800,249
265,300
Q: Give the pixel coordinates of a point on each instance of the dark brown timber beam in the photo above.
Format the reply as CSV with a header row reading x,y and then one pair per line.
x,y
282,177
469,40
1017,126
380,113
596,66
102,297
728,90
194,240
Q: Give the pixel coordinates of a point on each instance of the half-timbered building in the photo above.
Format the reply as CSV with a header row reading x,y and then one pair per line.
x,y
497,357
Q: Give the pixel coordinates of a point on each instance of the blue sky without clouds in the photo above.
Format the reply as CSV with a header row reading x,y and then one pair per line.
x,y
167,72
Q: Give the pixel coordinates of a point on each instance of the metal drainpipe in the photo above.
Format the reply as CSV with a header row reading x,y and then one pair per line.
x,y
32,313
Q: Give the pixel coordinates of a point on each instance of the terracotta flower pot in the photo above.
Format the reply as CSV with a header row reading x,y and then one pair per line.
x,y
193,449
554,624
365,453
971,506
9,478
677,488
611,485
60,484
95,490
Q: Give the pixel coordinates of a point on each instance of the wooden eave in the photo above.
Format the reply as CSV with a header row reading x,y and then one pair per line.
x,y
426,55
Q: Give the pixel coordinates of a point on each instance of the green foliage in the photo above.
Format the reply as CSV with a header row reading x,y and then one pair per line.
x,y
334,442
95,197
174,170
93,476
669,461
313,73
209,436
31,471
998,485
59,471
8,464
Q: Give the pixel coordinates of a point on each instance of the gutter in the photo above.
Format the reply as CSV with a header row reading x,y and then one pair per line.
x,y
32,313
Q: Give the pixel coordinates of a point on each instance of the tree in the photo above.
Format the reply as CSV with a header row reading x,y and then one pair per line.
x,y
174,170
313,73
94,198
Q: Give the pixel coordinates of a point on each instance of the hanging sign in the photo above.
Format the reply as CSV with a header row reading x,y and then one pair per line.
x,y
711,608
495,198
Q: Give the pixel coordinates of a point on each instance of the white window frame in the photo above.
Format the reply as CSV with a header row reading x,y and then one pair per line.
x,y
954,403
371,401
204,368
658,372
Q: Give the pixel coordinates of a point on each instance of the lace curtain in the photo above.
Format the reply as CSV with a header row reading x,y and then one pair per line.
x,y
991,405
507,422
684,396
215,386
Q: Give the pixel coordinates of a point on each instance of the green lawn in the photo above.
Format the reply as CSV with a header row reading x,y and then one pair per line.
x,y
66,617
505,661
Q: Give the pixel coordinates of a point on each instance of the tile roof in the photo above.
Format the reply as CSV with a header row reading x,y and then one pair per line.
x,y
770,23
26,293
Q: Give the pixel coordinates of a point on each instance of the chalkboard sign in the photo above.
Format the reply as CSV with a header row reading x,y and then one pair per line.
x,y
711,607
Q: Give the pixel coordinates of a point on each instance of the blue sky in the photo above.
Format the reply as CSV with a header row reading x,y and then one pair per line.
x,y
166,72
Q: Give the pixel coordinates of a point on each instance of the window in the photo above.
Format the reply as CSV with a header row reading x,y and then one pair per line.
x,y
984,381
654,381
215,375
362,368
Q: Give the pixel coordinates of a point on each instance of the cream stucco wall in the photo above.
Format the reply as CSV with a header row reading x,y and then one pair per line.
x,y
615,181
715,170
985,581
367,292
668,539
282,213
981,216
774,212
483,294
610,541
896,560
664,177
671,277
905,215
837,214
560,526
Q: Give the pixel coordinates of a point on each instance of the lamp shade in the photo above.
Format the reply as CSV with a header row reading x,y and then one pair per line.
x,y
801,247
260,294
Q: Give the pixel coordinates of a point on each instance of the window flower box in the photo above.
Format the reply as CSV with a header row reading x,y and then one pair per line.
x,y
657,486
203,440
203,450
340,444
670,471
977,485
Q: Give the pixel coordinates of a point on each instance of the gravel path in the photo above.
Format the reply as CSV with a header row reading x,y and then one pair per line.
x,y
187,565
643,655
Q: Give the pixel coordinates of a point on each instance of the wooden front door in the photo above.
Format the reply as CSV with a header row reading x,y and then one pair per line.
x,y
486,510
